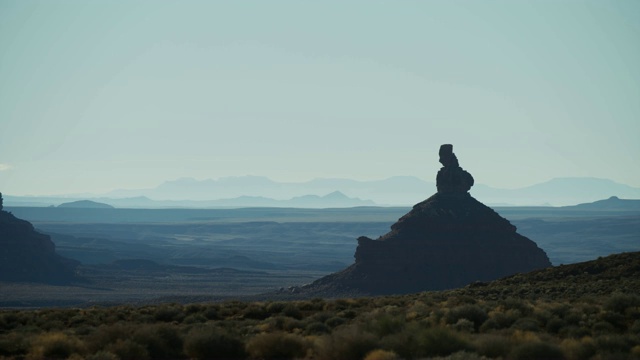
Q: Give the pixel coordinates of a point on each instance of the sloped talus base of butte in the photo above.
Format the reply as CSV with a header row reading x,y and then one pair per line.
x,y
444,242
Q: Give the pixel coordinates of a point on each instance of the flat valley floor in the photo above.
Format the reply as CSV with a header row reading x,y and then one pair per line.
x,y
138,256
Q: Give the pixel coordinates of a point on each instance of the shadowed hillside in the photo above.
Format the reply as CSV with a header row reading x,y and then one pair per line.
x,y
27,255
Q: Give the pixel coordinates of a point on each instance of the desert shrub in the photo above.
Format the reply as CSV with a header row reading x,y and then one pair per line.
x,y
590,308
492,346
211,313
460,300
52,325
346,343
463,325
306,306
84,318
521,306
473,313
230,309
439,341
315,304
292,311
256,312
404,343
277,346
461,355
128,350
335,321
574,332
13,344
347,314
284,323
193,309
559,309
602,328
276,307
526,324
382,355
554,325
316,328
385,324
8,321
616,320
490,324
83,330
340,304
55,345
168,313
613,344
497,320
536,350
574,349
108,334
541,312
320,316
619,302
213,343
103,355
417,311
58,314
161,341
194,319
573,317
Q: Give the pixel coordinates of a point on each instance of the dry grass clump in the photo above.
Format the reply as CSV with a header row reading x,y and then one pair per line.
x,y
382,355
278,346
210,342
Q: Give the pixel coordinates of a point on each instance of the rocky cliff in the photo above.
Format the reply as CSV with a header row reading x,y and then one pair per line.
x,y
444,242
27,255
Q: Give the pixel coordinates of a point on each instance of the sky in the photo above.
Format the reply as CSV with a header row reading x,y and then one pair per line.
x,y
103,95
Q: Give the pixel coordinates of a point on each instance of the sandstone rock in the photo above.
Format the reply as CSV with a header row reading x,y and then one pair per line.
x,y
447,241
27,255
452,178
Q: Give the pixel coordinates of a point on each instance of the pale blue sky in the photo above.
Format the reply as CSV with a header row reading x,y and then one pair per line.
x,y
101,95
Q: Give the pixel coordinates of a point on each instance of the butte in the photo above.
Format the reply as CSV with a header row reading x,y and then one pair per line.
x,y
446,241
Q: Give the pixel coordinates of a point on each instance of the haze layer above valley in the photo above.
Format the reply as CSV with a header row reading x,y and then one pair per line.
x,y
334,192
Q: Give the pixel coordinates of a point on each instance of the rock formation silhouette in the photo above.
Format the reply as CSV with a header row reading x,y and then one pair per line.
x,y
27,255
452,178
447,241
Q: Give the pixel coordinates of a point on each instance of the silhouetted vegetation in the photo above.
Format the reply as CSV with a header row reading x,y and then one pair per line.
x,y
531,316
415,326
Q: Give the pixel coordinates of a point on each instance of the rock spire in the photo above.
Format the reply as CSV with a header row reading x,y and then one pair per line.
x,y
451,178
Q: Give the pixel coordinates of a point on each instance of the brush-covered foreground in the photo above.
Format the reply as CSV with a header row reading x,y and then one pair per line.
x,y
584,311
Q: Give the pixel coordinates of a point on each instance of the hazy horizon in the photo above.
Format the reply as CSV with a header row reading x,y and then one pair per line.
x,y
99,96
183,181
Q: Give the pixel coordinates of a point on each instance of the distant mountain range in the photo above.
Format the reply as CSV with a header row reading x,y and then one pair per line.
x,y
335,199
612,203
256,191
397,190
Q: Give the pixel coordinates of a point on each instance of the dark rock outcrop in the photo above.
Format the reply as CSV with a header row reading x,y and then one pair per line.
x,y
27,255
447,241
451,178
